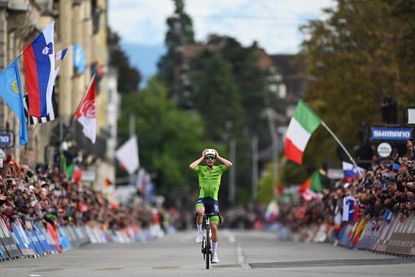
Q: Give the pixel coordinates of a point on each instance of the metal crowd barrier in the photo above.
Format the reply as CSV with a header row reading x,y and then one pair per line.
x,y
395,236
20,238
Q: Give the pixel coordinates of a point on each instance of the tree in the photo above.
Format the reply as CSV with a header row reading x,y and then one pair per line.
x,y
250,80
169,139
403,11
128,77
351,66
179,33
216,96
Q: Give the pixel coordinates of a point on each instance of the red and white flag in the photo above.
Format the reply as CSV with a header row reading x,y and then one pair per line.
x,y
86,113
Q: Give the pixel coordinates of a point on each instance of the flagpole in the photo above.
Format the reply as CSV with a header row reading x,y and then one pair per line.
x,y
340,143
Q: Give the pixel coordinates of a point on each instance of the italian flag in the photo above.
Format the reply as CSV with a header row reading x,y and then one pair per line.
x,y
303,123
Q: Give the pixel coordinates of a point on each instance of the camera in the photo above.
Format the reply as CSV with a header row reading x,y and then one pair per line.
x,y
9,182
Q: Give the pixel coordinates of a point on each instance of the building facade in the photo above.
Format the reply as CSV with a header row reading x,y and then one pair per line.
x,y
80,26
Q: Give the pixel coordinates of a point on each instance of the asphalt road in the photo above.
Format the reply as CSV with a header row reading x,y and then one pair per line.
x,y
240,254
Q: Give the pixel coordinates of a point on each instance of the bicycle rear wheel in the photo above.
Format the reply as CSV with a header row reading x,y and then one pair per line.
x,y
207,249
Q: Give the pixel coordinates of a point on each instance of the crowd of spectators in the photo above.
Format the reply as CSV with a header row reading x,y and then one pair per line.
x,y
49,196
386,188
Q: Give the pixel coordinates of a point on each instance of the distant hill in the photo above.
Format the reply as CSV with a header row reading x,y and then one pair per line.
x,y
144,58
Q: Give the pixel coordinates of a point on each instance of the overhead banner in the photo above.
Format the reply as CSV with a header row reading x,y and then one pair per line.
x,y
335,173
391,133
6,139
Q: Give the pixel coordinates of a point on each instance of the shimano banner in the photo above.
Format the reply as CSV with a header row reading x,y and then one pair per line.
x,y
391,133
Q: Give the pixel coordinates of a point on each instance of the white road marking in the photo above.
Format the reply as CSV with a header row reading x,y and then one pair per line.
x,y
241,258
240,255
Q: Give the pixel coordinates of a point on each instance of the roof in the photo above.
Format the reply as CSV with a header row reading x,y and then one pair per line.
x,y
287,64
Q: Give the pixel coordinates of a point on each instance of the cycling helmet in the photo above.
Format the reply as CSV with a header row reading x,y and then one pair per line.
x,y
210,153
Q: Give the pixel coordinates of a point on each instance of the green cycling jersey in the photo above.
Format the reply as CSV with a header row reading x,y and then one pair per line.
x,y
209,180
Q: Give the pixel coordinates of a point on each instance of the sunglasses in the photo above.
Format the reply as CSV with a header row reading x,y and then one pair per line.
x,y
210,158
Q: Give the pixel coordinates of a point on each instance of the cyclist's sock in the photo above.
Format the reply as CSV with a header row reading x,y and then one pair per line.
x,y
199,227
214,246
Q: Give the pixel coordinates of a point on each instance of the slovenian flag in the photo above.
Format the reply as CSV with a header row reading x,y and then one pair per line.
x,y
39,64
303,123
61,54
350,170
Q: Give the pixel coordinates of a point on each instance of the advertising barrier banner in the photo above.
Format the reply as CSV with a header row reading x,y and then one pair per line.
x,y
63,239
35,242
3,251
82,235
391,235
8,241
402,239
23,242
42,238
72,236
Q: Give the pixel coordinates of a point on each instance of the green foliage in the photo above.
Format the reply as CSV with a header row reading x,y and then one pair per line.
x,y
231,72
354,59
403,11
169,139
266,186
250,80
128,77
179,27
216,96
291,174
179,33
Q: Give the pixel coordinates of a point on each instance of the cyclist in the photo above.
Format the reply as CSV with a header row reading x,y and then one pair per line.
x,y
209,183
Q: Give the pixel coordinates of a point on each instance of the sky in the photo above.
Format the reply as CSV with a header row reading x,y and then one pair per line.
x,y
273,23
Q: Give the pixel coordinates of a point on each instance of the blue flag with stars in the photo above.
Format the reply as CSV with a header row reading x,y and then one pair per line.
x,y
11,92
